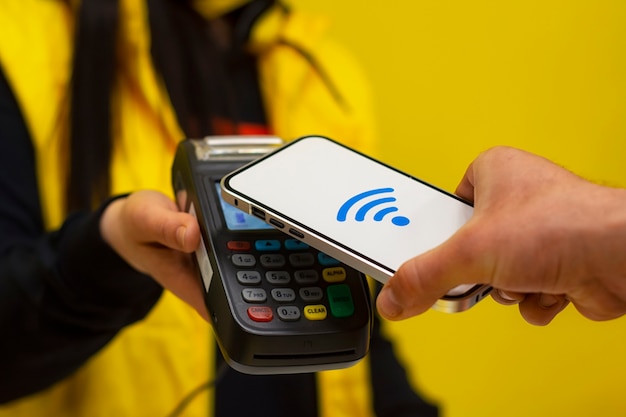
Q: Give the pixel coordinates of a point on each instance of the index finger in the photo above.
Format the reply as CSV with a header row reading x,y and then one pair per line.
x,y
465,188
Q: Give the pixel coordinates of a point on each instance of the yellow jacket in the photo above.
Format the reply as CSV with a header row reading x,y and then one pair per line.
x,y
150,366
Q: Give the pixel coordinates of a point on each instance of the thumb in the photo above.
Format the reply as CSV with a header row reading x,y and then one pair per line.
x,y
422,280
156,219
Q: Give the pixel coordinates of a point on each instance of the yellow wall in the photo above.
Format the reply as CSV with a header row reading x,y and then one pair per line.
x,y
453,77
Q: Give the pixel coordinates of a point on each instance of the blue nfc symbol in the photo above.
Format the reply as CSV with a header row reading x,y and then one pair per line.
x,y
342,214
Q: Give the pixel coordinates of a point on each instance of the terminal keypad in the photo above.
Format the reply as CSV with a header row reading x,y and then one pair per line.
x,y
287,280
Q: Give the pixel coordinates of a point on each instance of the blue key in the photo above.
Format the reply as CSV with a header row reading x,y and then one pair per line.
x,y
294,244
326,260
267,245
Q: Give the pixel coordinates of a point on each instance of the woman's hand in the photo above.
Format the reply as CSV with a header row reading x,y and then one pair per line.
x,y
149,232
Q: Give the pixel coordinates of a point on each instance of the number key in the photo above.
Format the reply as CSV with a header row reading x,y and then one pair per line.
x,y
278,277
254,295
283,294
244,259
272,260
248,277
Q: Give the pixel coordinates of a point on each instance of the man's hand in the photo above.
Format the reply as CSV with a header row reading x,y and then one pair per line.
x,y
540,235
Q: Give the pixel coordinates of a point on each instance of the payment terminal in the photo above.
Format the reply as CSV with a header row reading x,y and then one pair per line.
x,y
276,305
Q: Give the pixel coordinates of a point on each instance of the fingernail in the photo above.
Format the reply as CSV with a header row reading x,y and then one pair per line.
x,y
180,235
387,303
547,300
505,296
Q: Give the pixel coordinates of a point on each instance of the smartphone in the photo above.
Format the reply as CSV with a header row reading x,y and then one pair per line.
x,y
358,210
276,304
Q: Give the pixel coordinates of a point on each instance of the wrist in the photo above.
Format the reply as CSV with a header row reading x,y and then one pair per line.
x,y
605,236
95,274
110,213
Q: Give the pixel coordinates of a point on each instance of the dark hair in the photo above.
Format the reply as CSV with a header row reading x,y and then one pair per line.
x,y
197,73
90,103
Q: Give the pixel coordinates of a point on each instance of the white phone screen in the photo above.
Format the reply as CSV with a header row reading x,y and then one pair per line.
x,y
374,210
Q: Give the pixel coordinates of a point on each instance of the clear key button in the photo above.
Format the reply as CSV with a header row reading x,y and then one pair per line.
x,y
315,312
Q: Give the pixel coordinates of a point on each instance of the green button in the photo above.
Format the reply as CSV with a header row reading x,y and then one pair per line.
x,y
340,300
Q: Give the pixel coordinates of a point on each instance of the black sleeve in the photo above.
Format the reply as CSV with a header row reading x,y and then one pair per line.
x,y
393,394
63,294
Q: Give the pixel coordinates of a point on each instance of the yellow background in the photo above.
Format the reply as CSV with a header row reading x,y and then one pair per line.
x,y
454,77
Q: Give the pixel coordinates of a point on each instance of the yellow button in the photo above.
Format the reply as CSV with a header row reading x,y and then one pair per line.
x,y
336,274
315,312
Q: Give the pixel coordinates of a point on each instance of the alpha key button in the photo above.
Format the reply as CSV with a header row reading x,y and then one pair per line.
x,y
336,274
315,312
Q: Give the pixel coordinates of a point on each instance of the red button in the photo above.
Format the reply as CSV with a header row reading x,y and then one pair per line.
x,y
261,314
238,245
